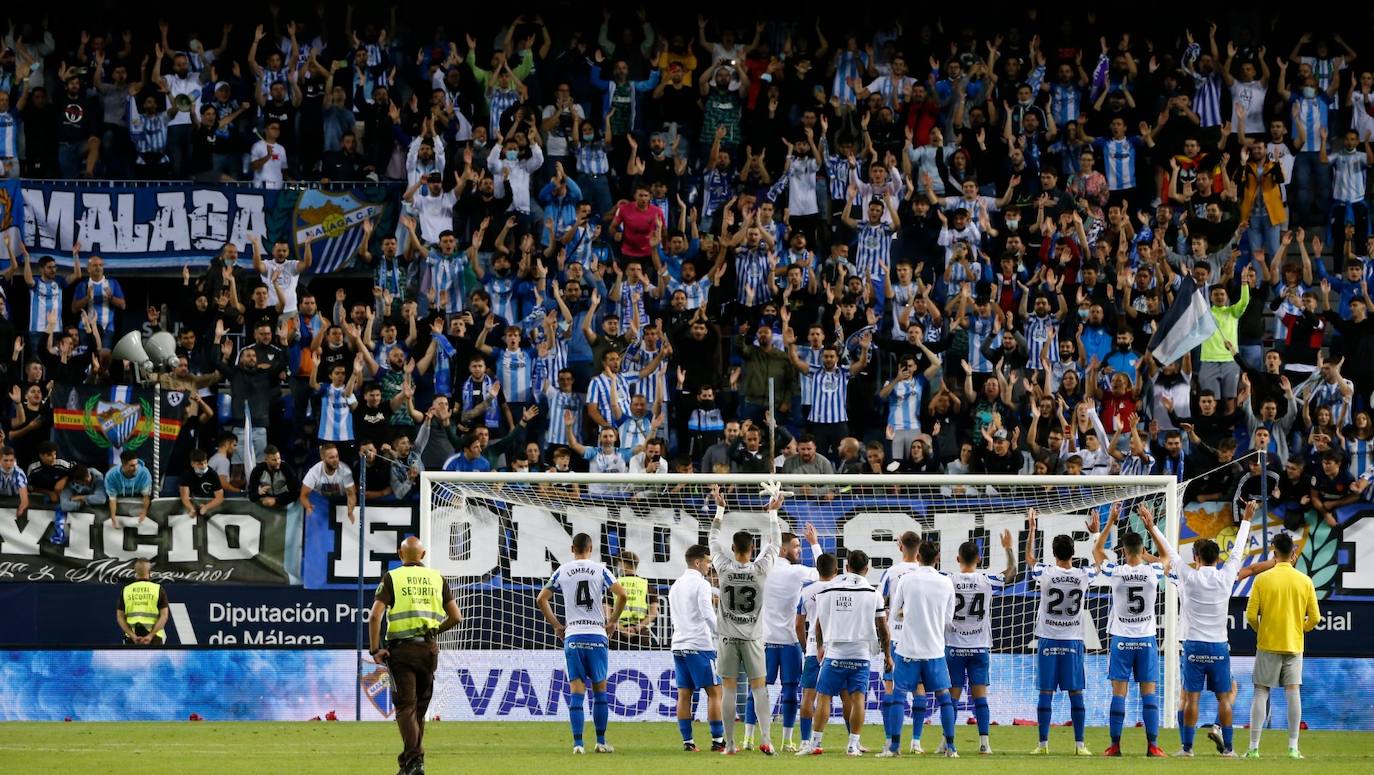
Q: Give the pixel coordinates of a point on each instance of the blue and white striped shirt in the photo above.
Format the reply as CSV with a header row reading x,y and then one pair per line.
x,y
838,169
336,413
149,133
557,433
752,271
1312,117
515,370
1360,453
633,431
592,160
500,101
1347,175
696,291
599,395
446,278
872,249
634,295
502,292
811,356
979,329
1207,98
9,134
1133,465
1041,332
1066,102
904,405
1119,160
45,300
848,64
102,293
12,481
830,396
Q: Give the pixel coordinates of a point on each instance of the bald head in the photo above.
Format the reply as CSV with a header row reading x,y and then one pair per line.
x,y
411,550
142,569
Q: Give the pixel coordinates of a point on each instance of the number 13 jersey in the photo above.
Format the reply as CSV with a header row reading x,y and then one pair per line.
x,y
970,625
1059,615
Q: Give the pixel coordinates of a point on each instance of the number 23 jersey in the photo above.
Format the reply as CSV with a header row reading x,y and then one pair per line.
x,y
970,624
1059,614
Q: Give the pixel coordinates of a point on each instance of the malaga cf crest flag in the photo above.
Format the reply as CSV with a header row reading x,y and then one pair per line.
x,y
94,424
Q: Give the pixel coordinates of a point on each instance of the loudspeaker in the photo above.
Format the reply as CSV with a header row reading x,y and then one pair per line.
x,y
162,349
130,348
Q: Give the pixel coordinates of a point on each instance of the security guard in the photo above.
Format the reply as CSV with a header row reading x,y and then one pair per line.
x,y
422,606
142,611
635,625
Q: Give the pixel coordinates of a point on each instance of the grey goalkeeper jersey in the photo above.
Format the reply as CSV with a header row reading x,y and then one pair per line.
x,y
741,584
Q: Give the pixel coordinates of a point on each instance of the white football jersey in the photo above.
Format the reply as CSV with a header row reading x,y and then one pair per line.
x,y
970,626
781,590
924,602
1134,589
887,584
846,609
583,585
806,606
1059,614
1205,593
741,583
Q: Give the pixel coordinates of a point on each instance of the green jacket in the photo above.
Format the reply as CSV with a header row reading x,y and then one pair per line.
x,y
759,365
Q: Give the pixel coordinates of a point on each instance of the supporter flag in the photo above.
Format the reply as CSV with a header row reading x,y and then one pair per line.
x,y
11,213
330,221
249,459
93,425
1186,325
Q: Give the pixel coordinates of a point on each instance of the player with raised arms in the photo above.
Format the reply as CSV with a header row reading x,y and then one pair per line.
x,y
849,617
782,650
1203,614
1059,632
583,583
1131,625
742,576
968,637
694,647
924,603
806,633
894,712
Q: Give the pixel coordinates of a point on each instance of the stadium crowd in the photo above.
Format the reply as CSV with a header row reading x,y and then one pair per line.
x,y
927,247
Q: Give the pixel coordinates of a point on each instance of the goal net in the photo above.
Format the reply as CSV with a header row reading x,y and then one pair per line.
x,y
499,537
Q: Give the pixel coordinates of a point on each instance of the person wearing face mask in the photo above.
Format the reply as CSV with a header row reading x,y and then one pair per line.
x,y
1311,180
201,491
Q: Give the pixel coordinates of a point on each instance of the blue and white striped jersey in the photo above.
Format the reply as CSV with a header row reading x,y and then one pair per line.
x,y
979,330
9,134
557,434
752,271
502,292
830,396
812,357
446,278
45,301
1041,332
599,395
102,294
904,405
336,413
1119,161
515,370
1312,117
1066,102
873,248
1347,175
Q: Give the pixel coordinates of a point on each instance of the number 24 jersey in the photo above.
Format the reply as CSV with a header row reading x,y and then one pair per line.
x,y
1059,615
970,625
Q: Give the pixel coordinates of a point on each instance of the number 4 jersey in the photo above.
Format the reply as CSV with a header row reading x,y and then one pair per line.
x,y
970,626
1059,615
583,585
1134,588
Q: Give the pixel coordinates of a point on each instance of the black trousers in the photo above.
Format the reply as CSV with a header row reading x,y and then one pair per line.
x,y
412,667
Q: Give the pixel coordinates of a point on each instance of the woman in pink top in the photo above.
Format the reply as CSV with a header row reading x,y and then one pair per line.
x,y
634,223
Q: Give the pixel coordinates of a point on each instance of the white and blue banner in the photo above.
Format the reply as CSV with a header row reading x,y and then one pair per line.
x,y
143,226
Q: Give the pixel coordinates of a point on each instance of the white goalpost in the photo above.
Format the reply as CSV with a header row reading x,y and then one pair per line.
x,y
498,537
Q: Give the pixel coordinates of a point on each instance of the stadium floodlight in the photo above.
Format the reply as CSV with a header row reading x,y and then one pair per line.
x,y
499,536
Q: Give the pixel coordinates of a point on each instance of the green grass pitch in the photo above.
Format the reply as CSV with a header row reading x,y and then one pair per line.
x,y
341,748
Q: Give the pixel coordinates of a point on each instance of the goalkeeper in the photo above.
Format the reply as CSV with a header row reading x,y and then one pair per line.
x,y
742,577
421,606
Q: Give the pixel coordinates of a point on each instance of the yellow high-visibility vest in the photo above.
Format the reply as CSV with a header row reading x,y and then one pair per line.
x,y
140,605
418,604
636,599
